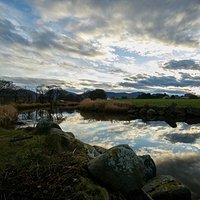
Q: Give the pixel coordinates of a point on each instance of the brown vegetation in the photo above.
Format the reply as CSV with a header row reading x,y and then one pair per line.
x,y
100,105
29,106
8,114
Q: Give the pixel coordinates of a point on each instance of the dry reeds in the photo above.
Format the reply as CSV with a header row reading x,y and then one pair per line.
x,y
100,105
29,106
8,114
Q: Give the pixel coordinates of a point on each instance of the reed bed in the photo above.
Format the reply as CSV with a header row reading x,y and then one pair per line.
x,y
100,105
8,114
30,106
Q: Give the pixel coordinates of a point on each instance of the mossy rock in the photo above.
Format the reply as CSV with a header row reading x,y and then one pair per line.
x,y
44,126
165,187
57,142
87,190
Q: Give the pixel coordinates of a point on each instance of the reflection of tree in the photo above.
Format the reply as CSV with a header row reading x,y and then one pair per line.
x,y
52,115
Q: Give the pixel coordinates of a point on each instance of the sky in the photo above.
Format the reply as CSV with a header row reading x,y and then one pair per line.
x,y
116,45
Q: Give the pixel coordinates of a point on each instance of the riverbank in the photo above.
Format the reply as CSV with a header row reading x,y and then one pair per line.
x,y
187,110
47,163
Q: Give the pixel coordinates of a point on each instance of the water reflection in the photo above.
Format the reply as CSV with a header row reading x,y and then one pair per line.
x,y
30,118
184,138
185,167
175,150
151,137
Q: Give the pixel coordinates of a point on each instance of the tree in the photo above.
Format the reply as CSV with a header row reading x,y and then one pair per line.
x,y
52,93
7,85
8,91
97,94
41,90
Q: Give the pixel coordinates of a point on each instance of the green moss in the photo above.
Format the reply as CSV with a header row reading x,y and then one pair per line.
x,y
167,187
87,190
114,154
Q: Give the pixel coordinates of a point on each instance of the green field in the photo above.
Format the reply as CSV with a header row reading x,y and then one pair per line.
x,y
162,102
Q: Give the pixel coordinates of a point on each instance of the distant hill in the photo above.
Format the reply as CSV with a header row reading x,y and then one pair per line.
x,y
17,95
94,94
62,95
120,95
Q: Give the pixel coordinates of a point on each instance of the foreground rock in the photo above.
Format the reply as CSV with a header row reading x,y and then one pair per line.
x,y
120,169
44,126
150,167
165,187
58,141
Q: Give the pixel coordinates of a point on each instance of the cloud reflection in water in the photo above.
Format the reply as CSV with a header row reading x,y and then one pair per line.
x,y
176,151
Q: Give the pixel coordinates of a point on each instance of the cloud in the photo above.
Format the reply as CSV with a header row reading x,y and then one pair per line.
x,y
184,138
142,81
9,33
169,22
182,64
107,41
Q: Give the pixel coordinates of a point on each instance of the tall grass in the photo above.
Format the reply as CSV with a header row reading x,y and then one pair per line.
x,y
27,106
8,114
100,105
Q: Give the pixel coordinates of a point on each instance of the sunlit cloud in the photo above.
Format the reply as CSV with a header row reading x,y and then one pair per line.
x,y
105,41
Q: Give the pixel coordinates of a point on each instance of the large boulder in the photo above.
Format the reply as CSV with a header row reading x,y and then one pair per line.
x,y
165,187
44,126
119,168
150,167
58,141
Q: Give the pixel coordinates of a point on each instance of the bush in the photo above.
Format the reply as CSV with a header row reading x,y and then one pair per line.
x,y
8,114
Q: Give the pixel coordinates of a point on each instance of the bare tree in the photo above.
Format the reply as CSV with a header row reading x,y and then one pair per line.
x,y
41,90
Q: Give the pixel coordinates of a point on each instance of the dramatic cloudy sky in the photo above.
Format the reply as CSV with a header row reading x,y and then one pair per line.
x,y
118,45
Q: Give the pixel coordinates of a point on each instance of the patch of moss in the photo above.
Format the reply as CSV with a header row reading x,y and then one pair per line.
x,y
167,187
87,190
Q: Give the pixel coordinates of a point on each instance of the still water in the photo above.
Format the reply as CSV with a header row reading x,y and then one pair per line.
x,y
176,151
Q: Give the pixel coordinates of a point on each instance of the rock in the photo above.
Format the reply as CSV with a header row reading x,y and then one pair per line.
x,y
165,187
58,141
193,111
171,122
138,195
180,112
151,112
100,149
143,111
44,126
133,112
92,152
170,110
119,168
150,167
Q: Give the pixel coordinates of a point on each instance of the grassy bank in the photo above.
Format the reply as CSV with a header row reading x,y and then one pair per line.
x,y
161,102
38,168
8,114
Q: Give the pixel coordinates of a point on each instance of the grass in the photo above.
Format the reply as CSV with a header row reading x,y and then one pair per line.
x,y
29,170
162,102
19,153
104,106
8,114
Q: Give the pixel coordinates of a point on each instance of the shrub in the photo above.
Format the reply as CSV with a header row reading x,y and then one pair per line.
x,y
8,114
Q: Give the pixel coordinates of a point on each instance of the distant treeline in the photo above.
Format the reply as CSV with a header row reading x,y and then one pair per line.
x,y
10,93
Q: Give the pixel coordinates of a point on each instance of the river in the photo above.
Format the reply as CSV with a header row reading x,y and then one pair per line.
x,y
176,151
